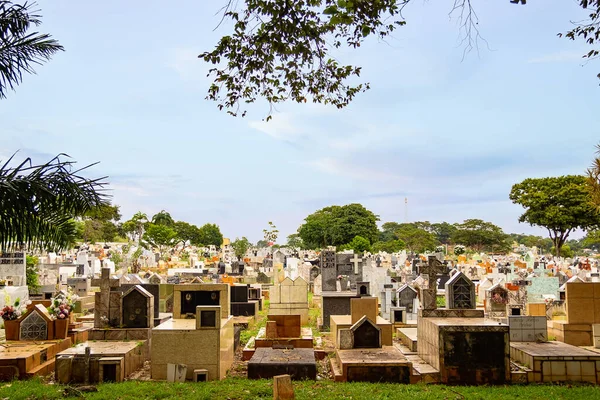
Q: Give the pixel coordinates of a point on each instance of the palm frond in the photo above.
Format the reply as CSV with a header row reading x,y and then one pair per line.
x,y
38,203
19,50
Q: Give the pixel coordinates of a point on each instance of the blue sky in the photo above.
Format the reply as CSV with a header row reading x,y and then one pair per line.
x,y
451,135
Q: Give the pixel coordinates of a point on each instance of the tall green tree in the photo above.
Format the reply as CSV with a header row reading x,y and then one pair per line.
x,y
240,247
559,204
134,227
443,232
188,233
359,244
391,246
20,47
481,235
38,203
163,218
160,237
417,239
100,224
210,234
282,50
593,178
294,242
338,225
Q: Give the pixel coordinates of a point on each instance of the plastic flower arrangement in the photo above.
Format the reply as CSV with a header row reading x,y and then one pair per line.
x,y
63,304
11,312
499,299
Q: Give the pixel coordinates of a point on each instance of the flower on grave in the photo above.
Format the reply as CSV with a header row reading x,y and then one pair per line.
x,y
499,299
459,249
62,304
11,312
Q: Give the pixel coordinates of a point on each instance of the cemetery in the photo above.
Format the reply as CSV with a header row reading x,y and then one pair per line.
x,y
410,321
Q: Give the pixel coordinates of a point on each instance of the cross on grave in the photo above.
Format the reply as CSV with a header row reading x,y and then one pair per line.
x,y
429,272
355,260
378,262
105,283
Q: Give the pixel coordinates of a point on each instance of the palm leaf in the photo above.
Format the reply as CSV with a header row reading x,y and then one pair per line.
x,y
38,203
19,50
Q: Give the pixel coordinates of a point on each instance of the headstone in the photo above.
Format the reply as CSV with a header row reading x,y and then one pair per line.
x,y
12,267
282,388
429,289
367,335
137,305
460,292
328,270
35,325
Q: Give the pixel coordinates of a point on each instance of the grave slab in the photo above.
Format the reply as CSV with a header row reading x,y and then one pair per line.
x,y
267,363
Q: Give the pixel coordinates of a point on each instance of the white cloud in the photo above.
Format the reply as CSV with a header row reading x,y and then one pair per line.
x,y
561,56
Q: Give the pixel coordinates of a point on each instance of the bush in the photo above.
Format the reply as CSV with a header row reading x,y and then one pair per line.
x,y
32,274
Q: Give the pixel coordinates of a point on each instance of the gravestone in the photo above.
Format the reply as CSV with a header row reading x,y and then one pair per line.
x,y
263,278
174,280
406,295
460,292
366,334
153,289
137,305
314,272
12,267
35,325
328,270
429,289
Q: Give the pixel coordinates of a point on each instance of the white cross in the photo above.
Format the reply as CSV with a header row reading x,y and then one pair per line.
x,y
355,260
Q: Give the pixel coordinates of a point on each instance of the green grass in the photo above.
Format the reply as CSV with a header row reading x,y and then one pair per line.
x,y
236,388
253,327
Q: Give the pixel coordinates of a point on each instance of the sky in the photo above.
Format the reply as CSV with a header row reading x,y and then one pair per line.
x,y
449,133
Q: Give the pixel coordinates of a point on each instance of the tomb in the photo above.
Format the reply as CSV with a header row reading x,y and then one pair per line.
x,y
36,324
496,301
556,362
210,334
362,358
282,347
240,304
461,344
290,298
361,307
284,331
528,329
460,292
187,297
267,362
100,361
583,310
334,303
22,360
138,308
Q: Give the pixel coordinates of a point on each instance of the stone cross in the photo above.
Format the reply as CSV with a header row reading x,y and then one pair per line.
x,y
428,294
101,311
355,260
378,262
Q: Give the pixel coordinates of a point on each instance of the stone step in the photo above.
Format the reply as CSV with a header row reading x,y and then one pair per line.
x,y
336,370
43,369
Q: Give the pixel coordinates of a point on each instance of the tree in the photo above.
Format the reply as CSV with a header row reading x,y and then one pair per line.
x,y
21,49
417,239
38,203
443,232
481,235
100,224
565,251
294,242
392,246
163,218
32,274
271,233
592,240
160,237
188,233
388,231
135,226
359,244
559,204
282,50
240,247
338,225
594,178
210,234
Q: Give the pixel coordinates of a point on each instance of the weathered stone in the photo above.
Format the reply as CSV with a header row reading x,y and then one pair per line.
x,y
345,339
282,387
176,372
271,330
